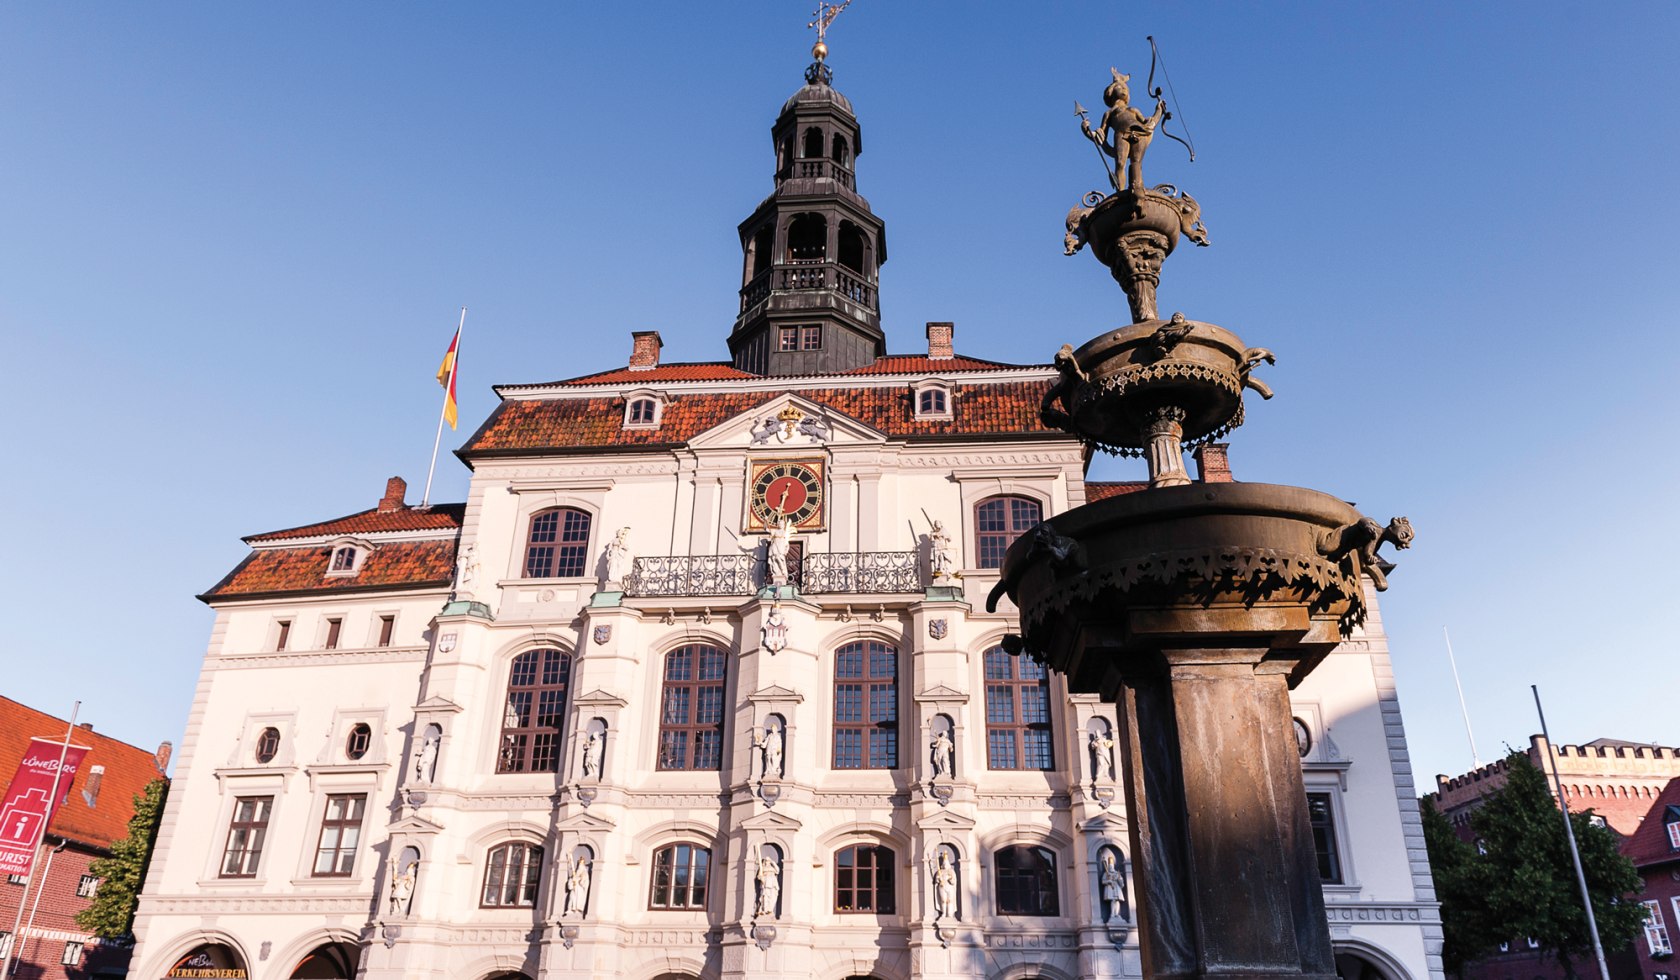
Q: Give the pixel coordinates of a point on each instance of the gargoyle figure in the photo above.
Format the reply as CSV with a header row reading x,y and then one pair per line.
x,y
1252,358
1064,553
1072,376
1189,213
1363,537
1170,334
1074,240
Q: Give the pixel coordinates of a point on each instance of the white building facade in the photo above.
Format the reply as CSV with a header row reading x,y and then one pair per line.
x,y
604,720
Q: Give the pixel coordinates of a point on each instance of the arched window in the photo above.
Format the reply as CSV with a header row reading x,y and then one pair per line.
x,y
763,247
1017,712
1026,881
931,401
691,710
535,710
558,544
851,247
344,559
842,152
813,144
863,879
807,238
680,875
998,522
866,706
642,411
511,876
268,745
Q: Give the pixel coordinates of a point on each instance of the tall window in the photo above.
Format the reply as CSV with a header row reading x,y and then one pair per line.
x,y
558,545
284,634
334,628
387,624
680,873
1323,814
998,522
1673,828
245,836
536,707
863,879
691,712
1656,930
341,831
1026,881
866,706
1017,712
511,876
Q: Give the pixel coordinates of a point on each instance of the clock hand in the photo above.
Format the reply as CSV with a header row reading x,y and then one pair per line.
x,y
781,502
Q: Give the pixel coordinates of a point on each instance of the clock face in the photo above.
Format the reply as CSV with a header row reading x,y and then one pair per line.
x,y
788,488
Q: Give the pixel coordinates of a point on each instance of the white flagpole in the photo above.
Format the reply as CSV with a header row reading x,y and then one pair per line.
x,y
454,365
6,961
1463,709
1569,832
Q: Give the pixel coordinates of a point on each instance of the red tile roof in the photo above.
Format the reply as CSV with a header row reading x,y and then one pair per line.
x,y
691,371
127,771
1649,844
725,371
435,518
395,565
1095,491
1008,408
923,364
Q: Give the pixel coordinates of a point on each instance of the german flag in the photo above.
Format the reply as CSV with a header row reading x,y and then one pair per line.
x,y
446,377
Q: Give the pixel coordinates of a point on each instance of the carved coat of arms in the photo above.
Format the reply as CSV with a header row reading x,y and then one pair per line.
x,y
938,628
773,635
602,634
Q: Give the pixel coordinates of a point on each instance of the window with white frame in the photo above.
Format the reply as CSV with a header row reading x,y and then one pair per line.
x,y
87,886
72,954
1321,808
1656,930
642,409
347,556
1673,828
933,401
5,945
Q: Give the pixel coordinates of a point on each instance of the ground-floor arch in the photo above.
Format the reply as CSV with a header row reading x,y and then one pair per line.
x,y
329,961
210,959
1362,961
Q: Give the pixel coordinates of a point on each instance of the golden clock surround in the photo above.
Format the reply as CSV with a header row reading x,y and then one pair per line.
x,y
811,476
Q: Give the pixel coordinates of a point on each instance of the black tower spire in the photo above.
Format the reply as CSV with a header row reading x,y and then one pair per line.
x,y
813,247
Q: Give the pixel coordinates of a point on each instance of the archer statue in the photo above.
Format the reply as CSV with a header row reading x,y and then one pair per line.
x,y
1125,132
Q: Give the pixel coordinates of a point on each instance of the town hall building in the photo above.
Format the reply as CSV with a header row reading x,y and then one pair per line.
x,y
699,681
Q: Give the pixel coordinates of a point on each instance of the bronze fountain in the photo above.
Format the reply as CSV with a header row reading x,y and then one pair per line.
x,y
1194,607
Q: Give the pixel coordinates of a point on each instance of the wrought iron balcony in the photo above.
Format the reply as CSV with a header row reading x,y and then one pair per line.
x,y
741,575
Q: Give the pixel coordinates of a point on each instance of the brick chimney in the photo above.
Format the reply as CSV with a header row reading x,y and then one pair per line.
x,y
939,334
395,489
644,350
1213,464
164,751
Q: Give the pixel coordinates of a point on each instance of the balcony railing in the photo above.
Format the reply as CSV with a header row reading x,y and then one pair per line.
x,y
816,169
740,575
805,276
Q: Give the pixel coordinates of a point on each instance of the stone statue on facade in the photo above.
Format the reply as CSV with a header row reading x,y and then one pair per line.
x,y
1113,887
577,887
425,760
776,548
466,570
943,751
1102,754
402,887
1124,132
769,886
773,635
619,560
944,887
769,746
942,555
592,753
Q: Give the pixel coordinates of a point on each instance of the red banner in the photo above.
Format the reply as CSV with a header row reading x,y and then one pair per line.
x,y
24,808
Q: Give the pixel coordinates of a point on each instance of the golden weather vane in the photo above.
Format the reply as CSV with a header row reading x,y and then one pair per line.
x,y
825,14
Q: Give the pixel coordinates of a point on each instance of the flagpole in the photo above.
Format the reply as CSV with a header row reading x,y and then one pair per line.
x,y
7,960
1463,709
454,364
1569,832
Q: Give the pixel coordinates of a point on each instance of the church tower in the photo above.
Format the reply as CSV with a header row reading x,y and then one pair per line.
x,y
812,248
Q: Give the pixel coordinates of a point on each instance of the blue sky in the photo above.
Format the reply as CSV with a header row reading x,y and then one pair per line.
x,y
235,238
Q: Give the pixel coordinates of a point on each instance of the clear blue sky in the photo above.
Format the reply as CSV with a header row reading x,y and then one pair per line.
x,y
233,239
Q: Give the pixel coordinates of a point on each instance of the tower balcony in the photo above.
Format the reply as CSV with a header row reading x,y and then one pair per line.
x,y
809,277
818,169
831,573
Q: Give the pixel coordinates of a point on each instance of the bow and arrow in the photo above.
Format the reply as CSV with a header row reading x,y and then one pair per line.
x,y
1155,92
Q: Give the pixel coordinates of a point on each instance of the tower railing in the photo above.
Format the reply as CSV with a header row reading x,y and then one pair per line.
x,y
814,168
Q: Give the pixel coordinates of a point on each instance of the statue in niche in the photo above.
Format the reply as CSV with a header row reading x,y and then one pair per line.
x,y
773,635
770,745
1113,887
466,570
943,556
619,560
1125,132
592,753
577,887
944,751
776,549
944,887
1102,754
425,760
404,873
769,886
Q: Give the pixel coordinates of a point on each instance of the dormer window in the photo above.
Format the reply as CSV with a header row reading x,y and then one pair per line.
x,y
642,410
933,400
346,556
1673,829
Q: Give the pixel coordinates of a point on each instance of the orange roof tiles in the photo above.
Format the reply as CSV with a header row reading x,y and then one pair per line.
x,y
725,371
1095,491
923,364
127,771
1009,408
437,517
396,565
691,371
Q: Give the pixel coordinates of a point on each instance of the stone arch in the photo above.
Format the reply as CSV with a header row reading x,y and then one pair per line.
x,y
215,943
294,951
863,631
335,960
807,237
1373,962
1030,971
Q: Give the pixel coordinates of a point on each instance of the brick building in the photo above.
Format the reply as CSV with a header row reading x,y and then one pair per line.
x,y
1655,850
95,815
1615,778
